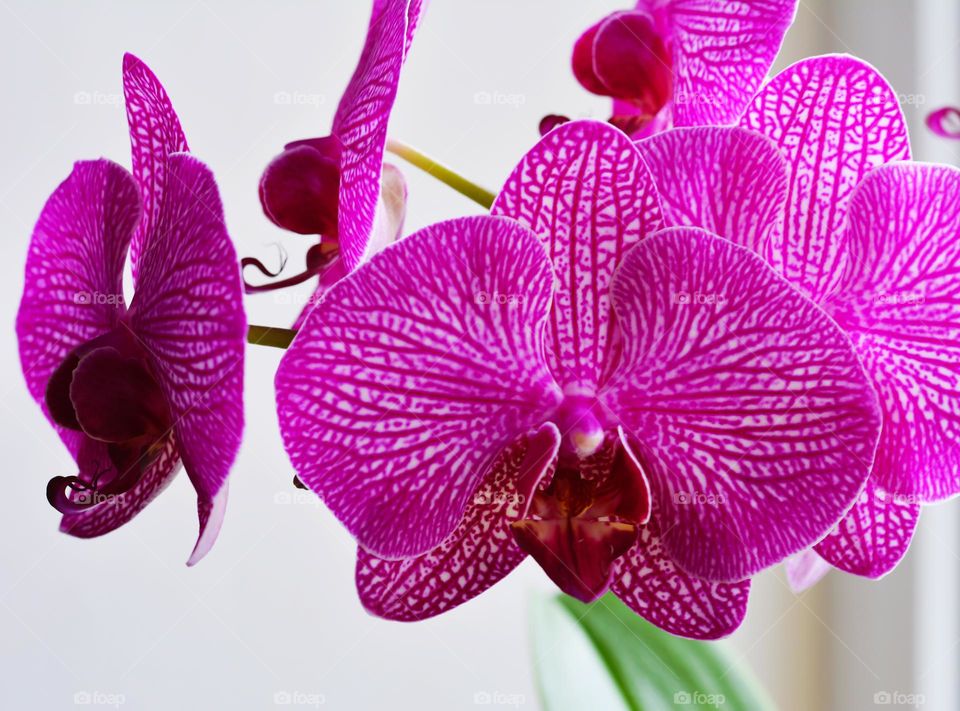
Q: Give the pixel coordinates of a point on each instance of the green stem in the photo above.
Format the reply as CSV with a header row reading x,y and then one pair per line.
x,y
441,172
270,336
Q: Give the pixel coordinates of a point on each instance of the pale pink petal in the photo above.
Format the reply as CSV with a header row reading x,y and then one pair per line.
x,y
73,288
900,302
722,52
155,133
834,118
116,511
805,569
413,374
729,181
586,193
654,587
874,535
188,315
478,553
757,418
361,125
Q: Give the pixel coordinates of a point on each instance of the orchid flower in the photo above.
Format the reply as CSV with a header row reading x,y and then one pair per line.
x,y
654,411
680,62
133,392
868,237
337,187
945,122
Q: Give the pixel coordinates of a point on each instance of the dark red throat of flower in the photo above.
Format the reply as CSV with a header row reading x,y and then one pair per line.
x,y
582,523
106,390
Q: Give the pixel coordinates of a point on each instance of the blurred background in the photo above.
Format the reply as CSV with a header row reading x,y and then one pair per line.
x,y
271,615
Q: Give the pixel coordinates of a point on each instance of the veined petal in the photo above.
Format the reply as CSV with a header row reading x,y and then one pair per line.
x,y
900,302
874,535
188,315
586,193
729,181
413,374
722,52
758,420
73,288
654,587
361,123
805,569
834,118
115,511
155,133
478,553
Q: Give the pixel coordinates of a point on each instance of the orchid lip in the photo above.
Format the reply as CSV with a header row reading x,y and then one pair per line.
x,y
587,517
106,390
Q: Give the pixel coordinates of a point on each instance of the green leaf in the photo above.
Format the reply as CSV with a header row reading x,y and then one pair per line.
x,y
604,656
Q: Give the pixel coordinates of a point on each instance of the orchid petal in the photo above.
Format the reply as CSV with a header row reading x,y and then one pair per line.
x,y
478,553
654,587
361,124
748,400
188,315
805,569
586,193
874,535
73,288
413,374
155,133
116,511
834,118
899,302
722,52
729,181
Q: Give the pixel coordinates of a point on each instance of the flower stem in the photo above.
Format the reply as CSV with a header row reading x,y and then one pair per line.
x,y
479,195
270,336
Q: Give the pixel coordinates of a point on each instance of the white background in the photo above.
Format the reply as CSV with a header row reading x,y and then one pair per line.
x,y
273,609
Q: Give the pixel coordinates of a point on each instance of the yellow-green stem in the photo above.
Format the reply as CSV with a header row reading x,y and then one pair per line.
x,y
270,336
479,195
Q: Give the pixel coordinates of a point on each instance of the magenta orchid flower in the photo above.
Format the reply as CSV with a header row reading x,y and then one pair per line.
x,y
945,122
650,411
134,392
681,62
337,187
869,238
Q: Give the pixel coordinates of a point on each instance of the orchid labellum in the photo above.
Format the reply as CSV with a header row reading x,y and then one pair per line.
x,y
134,392
653,411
